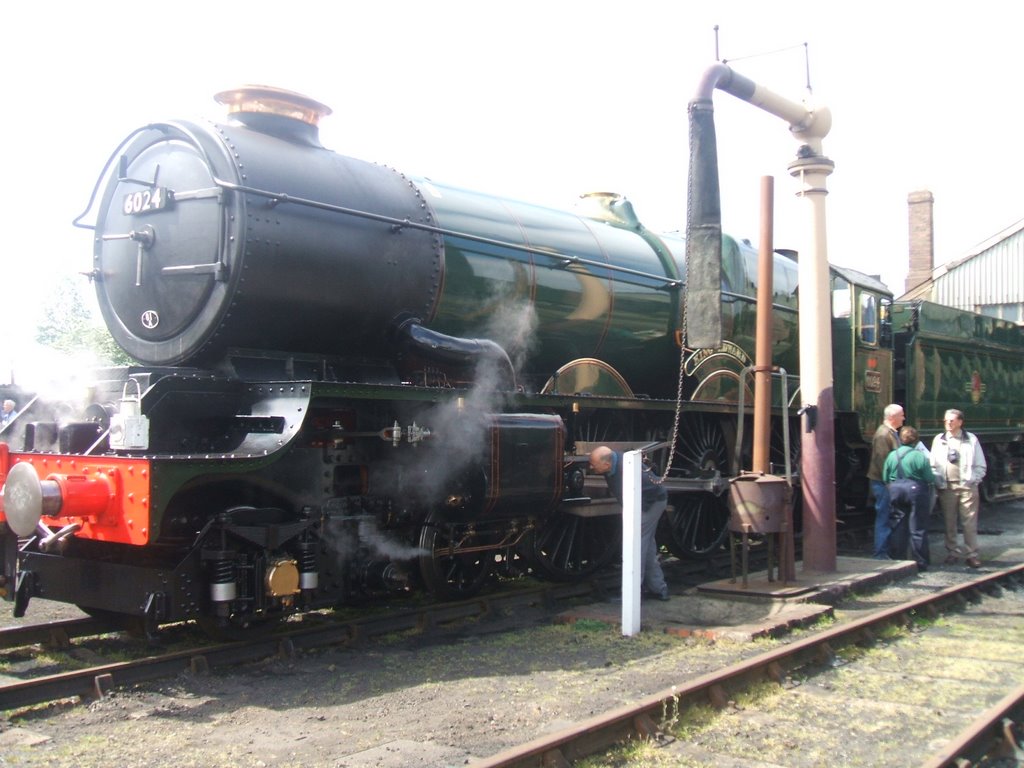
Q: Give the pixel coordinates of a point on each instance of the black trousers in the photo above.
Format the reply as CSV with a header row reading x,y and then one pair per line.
x,y
909,519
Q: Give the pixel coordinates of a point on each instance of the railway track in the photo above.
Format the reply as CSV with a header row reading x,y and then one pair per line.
x,y
311,631
406,697
995,738
307,632
653,716
54,634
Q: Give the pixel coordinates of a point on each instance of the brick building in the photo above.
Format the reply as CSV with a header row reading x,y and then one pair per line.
x,y
989,279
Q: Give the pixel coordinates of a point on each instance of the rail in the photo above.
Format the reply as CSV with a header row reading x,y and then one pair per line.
x,y
640,719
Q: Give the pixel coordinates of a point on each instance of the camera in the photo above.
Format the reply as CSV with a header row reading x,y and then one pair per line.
x,y
953,457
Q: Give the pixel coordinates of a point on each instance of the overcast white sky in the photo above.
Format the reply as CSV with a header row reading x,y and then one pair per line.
x,y
539,100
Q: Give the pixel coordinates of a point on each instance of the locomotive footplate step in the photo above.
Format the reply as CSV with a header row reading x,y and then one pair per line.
x,y
811,586
733,618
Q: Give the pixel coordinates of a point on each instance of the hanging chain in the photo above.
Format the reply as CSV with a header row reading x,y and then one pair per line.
x,y
682,322
679,395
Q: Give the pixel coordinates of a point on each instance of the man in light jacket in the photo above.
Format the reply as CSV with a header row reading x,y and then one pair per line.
x,y
959,466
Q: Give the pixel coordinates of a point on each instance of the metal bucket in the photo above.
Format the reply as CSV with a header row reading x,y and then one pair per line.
x,y
758,503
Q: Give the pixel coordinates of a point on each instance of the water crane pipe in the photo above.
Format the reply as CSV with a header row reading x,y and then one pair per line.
x,y
809,125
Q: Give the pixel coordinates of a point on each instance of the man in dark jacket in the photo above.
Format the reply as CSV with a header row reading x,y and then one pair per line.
x,y
886,440
653,500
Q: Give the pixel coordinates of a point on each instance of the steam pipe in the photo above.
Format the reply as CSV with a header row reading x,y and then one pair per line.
x,y
452,350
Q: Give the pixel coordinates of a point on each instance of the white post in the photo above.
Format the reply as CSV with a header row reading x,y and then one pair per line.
x,y
632,568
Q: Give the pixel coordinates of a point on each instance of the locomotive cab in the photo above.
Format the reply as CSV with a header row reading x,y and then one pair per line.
x,y
862,350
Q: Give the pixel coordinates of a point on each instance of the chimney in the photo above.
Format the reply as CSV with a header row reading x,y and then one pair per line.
x,y
922,238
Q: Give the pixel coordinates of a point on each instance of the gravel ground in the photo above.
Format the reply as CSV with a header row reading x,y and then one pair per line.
x,y
412,699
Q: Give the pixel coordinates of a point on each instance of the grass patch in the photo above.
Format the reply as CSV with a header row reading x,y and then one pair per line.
x,y
635,753
590,625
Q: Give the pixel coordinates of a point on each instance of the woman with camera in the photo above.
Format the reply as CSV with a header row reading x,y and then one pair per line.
x,y
959,466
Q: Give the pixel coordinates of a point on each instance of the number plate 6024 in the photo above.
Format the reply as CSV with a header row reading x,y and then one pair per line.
x,y
146,201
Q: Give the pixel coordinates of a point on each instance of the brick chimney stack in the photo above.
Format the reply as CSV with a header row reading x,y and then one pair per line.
x,y
922,238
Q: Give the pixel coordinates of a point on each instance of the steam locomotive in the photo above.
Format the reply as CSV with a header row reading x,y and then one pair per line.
x,y
352,382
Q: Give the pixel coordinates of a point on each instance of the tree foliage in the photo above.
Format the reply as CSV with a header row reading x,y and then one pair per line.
x,y
68,326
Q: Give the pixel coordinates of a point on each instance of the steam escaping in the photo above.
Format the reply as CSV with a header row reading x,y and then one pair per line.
x,y
461,428
54,374
345,540
380,544
514,326
54,387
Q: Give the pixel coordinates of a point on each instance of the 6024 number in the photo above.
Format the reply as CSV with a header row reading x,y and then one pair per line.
x,y
146,201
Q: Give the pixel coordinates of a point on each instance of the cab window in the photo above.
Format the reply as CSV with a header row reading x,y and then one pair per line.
x,y
885,322
840,298
868,318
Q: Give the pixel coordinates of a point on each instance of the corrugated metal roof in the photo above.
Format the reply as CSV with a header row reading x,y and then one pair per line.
x,y
994,275
997,238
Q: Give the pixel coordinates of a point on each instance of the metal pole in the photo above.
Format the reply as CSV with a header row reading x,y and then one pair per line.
x,y
818,442
763,348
